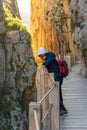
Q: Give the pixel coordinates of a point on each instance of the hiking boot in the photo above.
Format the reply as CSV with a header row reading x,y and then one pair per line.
x,y
62,112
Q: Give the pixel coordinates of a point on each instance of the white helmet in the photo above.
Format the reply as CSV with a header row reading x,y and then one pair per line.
x,y
41,51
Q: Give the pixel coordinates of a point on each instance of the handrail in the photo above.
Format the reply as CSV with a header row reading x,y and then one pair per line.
x,y
46,73
47,94
46,113
41,118
36,119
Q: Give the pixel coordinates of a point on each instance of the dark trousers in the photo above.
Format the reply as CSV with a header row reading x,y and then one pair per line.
x,y
61,97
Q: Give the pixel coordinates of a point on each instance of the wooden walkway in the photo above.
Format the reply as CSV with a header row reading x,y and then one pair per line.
x,y
75,99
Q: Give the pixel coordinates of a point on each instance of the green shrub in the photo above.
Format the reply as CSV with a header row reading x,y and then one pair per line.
x,y
12,23
7,11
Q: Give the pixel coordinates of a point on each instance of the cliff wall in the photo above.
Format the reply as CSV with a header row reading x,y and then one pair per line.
x,y
45,34
17,69
79,26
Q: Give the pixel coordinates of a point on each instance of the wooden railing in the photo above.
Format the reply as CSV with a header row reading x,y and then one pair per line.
x,y
44,114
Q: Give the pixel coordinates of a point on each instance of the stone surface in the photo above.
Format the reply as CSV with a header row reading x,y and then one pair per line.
x,y
2,25
79,17
44,34
17,73
13,37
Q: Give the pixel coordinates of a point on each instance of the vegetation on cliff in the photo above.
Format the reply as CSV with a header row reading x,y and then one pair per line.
x,y
13,23
56,15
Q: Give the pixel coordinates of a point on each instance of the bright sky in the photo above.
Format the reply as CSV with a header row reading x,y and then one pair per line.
x,y
24,8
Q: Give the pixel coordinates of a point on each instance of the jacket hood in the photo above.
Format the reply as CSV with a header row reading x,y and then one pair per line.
x,y
50,55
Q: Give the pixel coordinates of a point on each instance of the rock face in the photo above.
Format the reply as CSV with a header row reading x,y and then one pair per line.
x,y
17,74
79,22
2,26
44,32
13,7
73,37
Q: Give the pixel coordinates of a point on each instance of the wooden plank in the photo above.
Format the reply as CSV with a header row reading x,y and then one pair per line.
x,y
55,114
34,106
75,99
74,128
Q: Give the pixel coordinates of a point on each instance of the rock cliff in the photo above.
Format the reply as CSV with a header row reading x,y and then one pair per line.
x,y
79,27
44,33
17,69
71,38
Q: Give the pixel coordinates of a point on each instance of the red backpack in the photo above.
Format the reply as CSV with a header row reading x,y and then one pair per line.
x,y
63,68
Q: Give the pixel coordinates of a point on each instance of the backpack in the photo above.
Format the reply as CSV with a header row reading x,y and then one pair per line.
x,y
63,68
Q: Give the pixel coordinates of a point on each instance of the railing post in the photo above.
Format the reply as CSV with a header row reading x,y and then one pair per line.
x,y
41,82
55,114
32,124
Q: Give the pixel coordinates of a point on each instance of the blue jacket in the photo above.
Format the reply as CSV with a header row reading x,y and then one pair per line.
x,y
52,66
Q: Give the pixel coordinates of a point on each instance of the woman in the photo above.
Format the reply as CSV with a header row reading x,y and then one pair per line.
x,y
49,61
